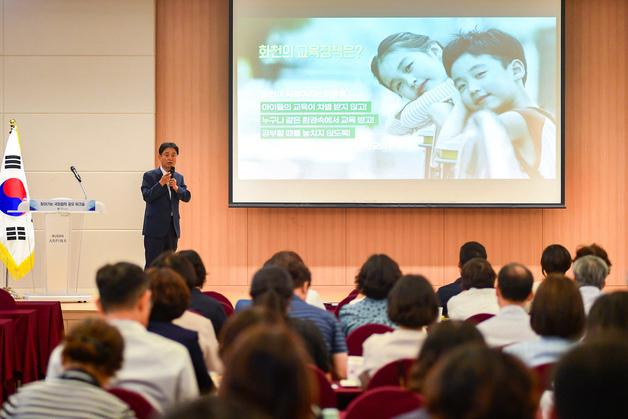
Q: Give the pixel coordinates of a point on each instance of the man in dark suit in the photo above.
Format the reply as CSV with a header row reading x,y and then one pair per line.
x,y
162,189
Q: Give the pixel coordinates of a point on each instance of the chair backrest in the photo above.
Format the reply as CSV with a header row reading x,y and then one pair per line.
x,y
392,374
346,300
6,300
479,318
544,374
326,394
138,404
383,403
224,301
359,335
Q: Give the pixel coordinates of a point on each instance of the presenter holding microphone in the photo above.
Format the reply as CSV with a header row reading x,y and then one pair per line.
x,y
162,189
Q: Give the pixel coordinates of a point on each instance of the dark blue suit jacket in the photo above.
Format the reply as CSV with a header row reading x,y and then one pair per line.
x,y
159,205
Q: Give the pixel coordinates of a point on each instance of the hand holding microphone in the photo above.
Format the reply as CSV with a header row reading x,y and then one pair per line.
x,y
172,182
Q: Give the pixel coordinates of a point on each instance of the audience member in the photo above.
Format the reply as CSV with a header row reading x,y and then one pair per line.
x,y
266,370
590,273
213,407
171,297
92,353
157,368
271,288
243,321
412,305
595,250
441,339
609,313
590,380
199,302
478,281
326,322
475,382
557,316
555,260
468,251
375,280
512,323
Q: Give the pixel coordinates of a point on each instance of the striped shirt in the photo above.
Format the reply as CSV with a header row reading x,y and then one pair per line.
x,y
326,323
73,395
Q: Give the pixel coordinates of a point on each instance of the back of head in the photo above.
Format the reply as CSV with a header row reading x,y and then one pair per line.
x,y
555,259
442,339
609,313
496,43
514,282
471,250
590,270
412,302
475,382
242,321
212,407
590,380
197,263
291,262
120,286
377,276
271,287
557,309
169,293
595,250
266,369
477,273
94,343
180,265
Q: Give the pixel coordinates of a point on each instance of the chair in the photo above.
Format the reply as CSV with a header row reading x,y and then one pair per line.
x,y
479,318
544,374
6,300
224,301
346,300
392,374
383,403
138,404
326,394
359,335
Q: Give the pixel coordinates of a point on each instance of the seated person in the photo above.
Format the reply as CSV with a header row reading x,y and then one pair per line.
x,y
557,316
555,260
376,278
609,313
468,251
590,273
478,280
412,306
213,407
595,250
170,297
157,368
92,353
512,323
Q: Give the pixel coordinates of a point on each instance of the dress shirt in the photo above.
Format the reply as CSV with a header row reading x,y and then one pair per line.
x,y
163,172
209,308
366,311
446,292
157,368
510,325
384,348
541,351
206,338
326,323
472,301
589,294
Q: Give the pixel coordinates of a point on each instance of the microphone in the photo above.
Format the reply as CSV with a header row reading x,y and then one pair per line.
x,y
172,171
78,178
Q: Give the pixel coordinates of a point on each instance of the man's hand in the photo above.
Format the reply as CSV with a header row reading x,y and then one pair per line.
x,y
165,179
173,185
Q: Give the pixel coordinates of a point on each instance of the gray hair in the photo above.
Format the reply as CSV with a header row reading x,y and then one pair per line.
x,y
590,270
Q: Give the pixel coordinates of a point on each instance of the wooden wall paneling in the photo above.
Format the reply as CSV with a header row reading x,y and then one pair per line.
x,y
192,97
596,135
413,237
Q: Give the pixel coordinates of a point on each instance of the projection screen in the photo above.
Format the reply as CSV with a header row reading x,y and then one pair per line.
x,y
411,103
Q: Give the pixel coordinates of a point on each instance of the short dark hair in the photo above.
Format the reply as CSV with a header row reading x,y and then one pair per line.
x,y
479,382
595,250
377,276
442,338
120,285
412,302
471,250
493,42
169,294
515,282
609,312
96,343
477,273
590,270
555,259
179,264
557,309
271,287
164,146
291,262
590,380
199,267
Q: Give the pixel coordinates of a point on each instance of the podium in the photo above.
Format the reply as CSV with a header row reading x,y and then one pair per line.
x,y
59,266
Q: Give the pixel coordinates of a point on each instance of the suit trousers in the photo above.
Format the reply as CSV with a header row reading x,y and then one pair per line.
x,y
154,246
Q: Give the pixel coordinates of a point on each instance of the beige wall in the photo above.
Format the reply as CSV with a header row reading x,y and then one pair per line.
x,y
79,78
